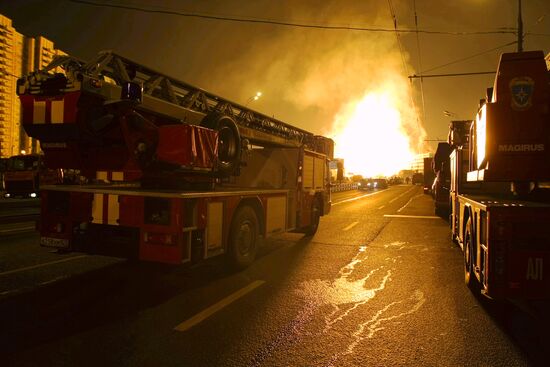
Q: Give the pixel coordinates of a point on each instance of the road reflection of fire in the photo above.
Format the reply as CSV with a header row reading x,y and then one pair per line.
x,y
345,295
341,302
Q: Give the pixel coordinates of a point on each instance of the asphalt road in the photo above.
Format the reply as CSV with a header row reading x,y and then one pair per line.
x,y
380,284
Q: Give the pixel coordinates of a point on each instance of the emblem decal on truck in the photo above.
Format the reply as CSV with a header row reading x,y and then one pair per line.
x,y
522,90
534,268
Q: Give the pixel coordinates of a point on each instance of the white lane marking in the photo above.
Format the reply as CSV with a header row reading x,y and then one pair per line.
x,y
357,198
398,244
42,265
411,216
381,207
350,226
397,197
204,314
408,202
18,229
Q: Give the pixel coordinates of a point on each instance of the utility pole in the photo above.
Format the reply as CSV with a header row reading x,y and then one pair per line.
x,y
520,28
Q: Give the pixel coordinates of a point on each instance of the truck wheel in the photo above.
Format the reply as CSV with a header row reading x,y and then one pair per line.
x,y
468,250
315,217
243,238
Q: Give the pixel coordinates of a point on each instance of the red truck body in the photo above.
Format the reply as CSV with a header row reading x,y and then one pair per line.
x,y
500,204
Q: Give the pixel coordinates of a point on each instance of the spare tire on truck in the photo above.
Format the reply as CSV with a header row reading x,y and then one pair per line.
x,y
229,141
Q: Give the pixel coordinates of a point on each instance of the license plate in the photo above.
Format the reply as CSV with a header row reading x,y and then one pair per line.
x,y
54,242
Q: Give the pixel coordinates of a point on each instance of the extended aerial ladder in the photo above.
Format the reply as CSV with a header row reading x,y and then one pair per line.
x,y
165,100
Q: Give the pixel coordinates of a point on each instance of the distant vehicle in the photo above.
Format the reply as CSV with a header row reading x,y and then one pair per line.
x,y
440,191
24,173
380,183
365,184
373,183
395,180
429,175
442,182
3,167
418,179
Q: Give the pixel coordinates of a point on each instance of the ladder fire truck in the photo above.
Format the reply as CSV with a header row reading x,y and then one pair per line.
x,y
168,172
500,169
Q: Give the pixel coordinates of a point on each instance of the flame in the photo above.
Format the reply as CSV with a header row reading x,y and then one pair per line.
x,y
373,135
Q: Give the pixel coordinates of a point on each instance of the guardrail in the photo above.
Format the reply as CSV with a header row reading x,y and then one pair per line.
x,y
343,187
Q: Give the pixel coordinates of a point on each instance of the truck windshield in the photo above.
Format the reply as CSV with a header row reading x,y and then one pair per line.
x,y
23,163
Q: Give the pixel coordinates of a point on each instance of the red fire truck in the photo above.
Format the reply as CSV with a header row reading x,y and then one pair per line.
x,y
170,173
500,202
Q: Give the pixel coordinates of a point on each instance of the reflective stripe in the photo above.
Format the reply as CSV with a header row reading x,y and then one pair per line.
x,y
97,209
113,210
39,112
101,175
105,204
117,176
57,112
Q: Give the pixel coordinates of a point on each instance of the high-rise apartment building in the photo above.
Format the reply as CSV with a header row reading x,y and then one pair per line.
x,y
19,55
11,67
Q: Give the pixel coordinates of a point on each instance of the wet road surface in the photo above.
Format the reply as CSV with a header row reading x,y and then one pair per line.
x,y
380,284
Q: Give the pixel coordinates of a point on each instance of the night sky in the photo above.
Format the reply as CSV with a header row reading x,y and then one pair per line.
x,y
306,75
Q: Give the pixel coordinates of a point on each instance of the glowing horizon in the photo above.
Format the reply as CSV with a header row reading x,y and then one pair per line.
x,y
371,137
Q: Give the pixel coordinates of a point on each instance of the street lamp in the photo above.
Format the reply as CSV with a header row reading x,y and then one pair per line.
x,y
253,98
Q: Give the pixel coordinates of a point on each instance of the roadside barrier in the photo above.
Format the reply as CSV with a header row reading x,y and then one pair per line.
x,y
343,187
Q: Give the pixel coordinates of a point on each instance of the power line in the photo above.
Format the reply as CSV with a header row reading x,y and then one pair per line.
x,y
469,57
283,23
419,63
397,36
422,76
405,68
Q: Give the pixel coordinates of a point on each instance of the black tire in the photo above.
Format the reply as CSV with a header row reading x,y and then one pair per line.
x,y
315,217
243,238
437,210
468,250
229,141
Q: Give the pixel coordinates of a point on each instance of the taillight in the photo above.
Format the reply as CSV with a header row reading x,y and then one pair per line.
x,y
159,238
